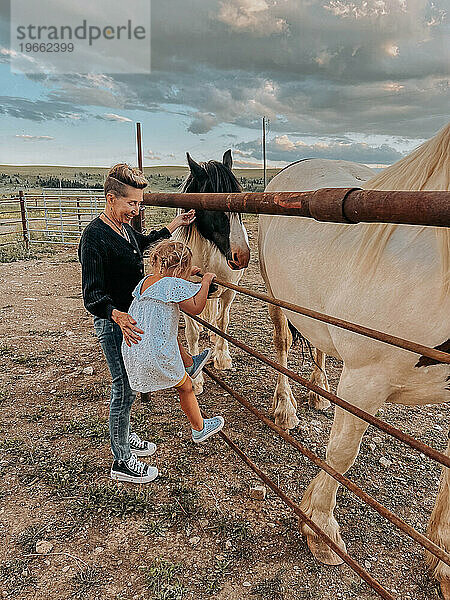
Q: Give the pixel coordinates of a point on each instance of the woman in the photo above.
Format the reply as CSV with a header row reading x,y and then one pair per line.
x,y
111,256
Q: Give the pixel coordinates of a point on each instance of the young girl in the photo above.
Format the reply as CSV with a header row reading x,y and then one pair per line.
x,y
155,363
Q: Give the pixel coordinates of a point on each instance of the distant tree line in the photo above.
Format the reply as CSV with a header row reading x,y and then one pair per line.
x,y
56,182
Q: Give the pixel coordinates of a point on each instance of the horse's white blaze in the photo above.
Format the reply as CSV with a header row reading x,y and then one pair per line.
x,y
319,265
238,234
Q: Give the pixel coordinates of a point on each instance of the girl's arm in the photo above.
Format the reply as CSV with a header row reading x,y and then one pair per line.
x,y
196,304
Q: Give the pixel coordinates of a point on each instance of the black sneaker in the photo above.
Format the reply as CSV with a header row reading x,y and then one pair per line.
x,y
133,471
141,447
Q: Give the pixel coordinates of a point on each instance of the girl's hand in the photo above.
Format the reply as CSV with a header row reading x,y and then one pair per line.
x,y
128,326
195,270
182,220
208,277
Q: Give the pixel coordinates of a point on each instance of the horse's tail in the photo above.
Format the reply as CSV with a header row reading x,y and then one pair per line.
x,y
296,335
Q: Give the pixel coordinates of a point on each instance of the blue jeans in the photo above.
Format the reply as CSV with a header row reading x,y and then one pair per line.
x,y
122,396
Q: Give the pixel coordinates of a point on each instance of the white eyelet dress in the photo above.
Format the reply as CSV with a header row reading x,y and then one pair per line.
x,y
155,363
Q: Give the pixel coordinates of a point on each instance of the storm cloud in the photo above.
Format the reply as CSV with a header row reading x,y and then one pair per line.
x,y
286,149
325,68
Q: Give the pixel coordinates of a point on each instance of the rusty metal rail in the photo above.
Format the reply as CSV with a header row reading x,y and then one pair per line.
x,y
393,340
338,205
339,477
351,562
354,410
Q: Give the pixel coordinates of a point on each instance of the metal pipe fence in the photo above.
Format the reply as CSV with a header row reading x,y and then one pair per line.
x,y
48,218
382,510
336,205
63,217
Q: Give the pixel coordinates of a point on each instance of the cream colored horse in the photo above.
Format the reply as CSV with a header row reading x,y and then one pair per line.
x,y
393,278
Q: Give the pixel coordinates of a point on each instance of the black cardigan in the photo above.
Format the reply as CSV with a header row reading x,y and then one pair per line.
x,y
111,266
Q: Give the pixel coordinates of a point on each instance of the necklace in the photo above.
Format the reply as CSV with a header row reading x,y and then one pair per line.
x,y
121,230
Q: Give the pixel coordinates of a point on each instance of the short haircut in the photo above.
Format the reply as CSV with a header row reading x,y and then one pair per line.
x,y
122,175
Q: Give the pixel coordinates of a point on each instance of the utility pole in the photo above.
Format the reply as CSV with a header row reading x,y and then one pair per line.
x,y
264,149
139,221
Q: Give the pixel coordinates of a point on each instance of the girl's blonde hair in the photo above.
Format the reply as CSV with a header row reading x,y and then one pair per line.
x,y
175,258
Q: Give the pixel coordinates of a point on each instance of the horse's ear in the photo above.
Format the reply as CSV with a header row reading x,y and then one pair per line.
x,y
197,171
228,159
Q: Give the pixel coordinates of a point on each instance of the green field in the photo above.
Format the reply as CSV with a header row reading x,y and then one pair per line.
x,y
32,178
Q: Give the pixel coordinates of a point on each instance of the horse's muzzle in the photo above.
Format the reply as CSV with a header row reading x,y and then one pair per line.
x,y
233,266
239,259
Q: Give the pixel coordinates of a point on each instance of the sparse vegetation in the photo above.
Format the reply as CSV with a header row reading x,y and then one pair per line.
x,y
55,460
18,251
154,527
215,576
163,580
32,359
183,507
93,428
12,445
111,500
65,476
32,534
16,577
269,589
84,581
236,535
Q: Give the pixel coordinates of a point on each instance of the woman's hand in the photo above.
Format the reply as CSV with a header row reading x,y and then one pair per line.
x,y
182,220
128,326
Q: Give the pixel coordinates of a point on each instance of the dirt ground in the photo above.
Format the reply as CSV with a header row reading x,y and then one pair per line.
x,y
195,532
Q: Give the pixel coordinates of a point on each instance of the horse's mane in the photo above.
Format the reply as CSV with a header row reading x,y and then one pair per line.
x,y
426,168
220,179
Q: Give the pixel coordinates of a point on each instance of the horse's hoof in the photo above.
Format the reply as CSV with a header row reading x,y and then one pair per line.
x,y
197,388
322,552
222,363
318,402
286,421
445,589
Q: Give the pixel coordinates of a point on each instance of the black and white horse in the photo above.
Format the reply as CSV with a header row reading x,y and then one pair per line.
x,y
219,244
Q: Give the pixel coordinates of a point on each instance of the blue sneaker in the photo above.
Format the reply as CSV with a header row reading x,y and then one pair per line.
x,y
200,361
210,427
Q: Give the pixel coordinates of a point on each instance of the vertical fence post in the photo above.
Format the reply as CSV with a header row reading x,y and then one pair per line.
x,y
61,218
78,214
23,213
91,207
45,215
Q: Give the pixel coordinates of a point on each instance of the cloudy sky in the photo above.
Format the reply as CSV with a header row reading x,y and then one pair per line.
x,y
362,80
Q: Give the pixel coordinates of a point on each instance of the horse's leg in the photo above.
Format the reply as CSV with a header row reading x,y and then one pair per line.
x,y
284,405
439,531
210,315
319,377
192,333
222,357
364,390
